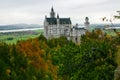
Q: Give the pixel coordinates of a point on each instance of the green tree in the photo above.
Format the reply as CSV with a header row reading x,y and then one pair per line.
x,y
96,59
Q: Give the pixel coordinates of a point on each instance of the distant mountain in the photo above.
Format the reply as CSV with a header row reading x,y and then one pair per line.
x,y
102,26
19,26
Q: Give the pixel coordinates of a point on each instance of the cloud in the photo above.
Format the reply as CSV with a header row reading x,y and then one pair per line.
x,y
33,11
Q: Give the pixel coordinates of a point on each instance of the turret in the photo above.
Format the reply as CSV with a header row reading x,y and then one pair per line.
x,y
58,20
86,23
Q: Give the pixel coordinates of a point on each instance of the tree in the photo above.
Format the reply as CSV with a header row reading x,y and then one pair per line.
x,y
117,16
93,59
96,59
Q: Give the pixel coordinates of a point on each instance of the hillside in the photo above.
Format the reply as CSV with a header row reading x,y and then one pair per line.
x,y
60,59
19,26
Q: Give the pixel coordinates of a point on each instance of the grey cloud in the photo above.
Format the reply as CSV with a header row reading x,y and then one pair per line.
x,y
35,9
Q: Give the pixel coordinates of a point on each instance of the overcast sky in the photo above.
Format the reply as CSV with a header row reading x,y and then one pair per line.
x,y
34,11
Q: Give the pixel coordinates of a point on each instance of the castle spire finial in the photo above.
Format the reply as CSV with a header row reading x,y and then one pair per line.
x,y
52,9
57,15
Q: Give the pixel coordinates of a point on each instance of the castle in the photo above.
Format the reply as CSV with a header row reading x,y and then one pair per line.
x,y
55,27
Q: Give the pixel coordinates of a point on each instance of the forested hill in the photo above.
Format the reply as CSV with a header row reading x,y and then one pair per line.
x,y
60,59
102,26
19,26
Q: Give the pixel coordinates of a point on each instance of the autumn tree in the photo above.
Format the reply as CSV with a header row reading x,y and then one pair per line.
x,y
38,58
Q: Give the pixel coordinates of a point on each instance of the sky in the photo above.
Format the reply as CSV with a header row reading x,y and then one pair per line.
x,y
34,11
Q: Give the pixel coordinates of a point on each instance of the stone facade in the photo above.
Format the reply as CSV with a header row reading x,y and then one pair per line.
x,y
55,27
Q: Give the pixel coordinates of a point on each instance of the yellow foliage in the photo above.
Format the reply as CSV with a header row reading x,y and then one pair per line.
x,y
118,33
37,55
8,71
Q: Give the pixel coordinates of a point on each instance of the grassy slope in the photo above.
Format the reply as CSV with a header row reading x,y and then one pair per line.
x,y
17,38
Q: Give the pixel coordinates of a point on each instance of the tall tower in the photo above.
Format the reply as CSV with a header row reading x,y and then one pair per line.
x,y
87,23
58,21
52,13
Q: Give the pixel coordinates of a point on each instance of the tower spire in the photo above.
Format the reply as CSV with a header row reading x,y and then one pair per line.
x,y
57,15
52,9
52,13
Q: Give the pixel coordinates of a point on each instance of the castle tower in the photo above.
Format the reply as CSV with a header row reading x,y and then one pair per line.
x,y
52,13
87,23
58,21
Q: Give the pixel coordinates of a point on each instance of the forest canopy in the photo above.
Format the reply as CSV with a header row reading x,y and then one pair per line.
x,y
59,59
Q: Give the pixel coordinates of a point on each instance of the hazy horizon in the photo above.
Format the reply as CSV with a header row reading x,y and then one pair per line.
x,y
34,11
